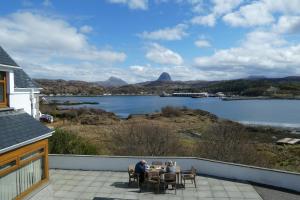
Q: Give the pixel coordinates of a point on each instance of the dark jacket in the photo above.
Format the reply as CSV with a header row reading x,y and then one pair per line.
x,y
171,169
139,168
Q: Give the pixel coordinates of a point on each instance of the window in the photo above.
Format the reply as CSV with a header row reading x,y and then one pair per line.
x,y
23,170
3,102
7,165
32,154
19,181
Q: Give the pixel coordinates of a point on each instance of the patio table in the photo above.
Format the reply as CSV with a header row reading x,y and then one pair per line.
x,y
160,168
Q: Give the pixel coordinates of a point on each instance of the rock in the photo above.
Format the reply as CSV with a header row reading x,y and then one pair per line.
x,y
164,77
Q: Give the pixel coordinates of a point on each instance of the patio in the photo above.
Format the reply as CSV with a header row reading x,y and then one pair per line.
x,y
99,185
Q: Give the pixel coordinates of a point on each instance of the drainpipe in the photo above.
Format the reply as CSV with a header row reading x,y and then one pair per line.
x,y
32,102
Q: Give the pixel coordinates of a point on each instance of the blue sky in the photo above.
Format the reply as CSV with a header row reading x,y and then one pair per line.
x,y
137,40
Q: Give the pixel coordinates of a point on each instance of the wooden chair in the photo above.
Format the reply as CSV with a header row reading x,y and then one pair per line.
x,y
153,178
156,162
133,177
170,179
189,175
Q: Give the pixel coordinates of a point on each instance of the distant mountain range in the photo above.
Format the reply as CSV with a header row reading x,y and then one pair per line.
x,y
250,86
112,82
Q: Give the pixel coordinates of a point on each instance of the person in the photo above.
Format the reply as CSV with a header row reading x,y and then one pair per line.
x,y
140,169
171,168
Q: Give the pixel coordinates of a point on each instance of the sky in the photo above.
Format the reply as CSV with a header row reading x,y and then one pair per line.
x,y
137,40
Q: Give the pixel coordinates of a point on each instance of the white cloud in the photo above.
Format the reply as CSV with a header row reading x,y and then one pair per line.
x,y
202,43
262,12
220,7
179,72
224,6
255,14
162,55
288,24
86,29
174,33
132,4
260,53
48,38
51,48
207,20
84,71
283,6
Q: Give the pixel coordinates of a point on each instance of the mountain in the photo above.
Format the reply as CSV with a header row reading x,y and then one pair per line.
x,y
112,82
255,77
164,77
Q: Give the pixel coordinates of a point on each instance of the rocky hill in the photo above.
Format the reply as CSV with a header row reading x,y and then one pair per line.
x,y
164,77
112,82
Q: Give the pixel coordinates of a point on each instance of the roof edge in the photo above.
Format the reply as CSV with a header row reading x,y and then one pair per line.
x,y
10,66
26,142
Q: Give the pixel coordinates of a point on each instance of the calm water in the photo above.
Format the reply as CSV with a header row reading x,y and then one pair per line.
x,y
267,112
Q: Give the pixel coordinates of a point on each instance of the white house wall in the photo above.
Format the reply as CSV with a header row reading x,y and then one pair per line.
x,y
20,98
20,101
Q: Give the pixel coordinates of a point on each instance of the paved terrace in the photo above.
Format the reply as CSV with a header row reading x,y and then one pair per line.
x,y
102,185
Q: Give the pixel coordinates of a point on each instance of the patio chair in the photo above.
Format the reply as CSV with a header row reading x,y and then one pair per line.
x,y
132,176
156,162
170,179
189,175
153,178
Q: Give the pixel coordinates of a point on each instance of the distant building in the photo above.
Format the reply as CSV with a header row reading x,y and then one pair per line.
x,y
220,94
23,139
289,141
190,94
272,90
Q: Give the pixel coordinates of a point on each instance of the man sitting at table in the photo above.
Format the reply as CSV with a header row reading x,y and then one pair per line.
x,y
140,169
171,168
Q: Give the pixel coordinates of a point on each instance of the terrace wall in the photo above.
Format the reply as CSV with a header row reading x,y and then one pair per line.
x,y
276,178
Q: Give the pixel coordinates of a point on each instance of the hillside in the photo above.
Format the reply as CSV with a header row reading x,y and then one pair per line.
x,y
275,87
112,82
69,87
287,87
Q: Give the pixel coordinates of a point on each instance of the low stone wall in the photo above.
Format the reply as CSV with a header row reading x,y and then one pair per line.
x,y
276,178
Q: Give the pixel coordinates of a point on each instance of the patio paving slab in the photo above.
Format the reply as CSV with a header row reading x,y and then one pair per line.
x,y
98,185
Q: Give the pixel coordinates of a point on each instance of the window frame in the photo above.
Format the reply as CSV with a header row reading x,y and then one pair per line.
x,y
4,82
16,155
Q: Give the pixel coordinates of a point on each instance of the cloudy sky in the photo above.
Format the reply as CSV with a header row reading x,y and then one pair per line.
x,y
136,40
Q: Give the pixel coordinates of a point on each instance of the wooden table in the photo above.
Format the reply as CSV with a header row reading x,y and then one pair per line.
x,y
158,168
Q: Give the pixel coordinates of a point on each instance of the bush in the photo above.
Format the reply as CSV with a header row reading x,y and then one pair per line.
x,y
145,139
230,143
170,111
63,142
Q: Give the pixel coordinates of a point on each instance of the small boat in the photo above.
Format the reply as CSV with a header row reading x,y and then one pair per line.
x,y
197,96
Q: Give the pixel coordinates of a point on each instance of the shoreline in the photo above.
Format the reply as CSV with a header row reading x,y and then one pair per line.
x,y
291,129
241,98
237,98
116,95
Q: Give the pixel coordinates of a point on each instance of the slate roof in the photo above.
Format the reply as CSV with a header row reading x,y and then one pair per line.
x,y
19,129
5,59
22,80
